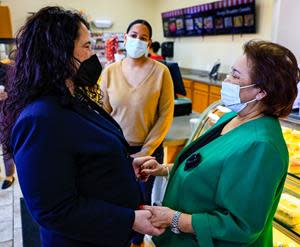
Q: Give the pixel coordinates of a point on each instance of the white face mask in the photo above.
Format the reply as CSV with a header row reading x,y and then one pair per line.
x,y
230,96
135,48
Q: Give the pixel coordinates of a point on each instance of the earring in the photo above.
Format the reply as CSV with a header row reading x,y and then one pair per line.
x,y
257,97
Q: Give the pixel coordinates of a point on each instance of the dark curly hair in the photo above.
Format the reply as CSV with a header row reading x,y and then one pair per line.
x,y
43,62
274,69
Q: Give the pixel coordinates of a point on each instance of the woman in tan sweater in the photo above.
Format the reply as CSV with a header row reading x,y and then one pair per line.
x,y
138,93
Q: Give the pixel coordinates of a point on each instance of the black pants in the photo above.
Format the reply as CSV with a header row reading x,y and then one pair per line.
x,y
9,164
147,186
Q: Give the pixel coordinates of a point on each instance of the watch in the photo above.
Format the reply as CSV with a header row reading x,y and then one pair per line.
x,y
174,223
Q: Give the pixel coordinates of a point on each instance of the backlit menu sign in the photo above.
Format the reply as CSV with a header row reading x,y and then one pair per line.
x,y
221,17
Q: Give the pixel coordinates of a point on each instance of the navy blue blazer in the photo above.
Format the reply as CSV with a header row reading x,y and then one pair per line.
x,y
75,174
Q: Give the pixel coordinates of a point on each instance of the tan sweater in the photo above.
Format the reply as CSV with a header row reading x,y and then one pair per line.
x,y
144,112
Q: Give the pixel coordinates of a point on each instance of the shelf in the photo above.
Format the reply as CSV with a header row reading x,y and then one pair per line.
x,y
287,231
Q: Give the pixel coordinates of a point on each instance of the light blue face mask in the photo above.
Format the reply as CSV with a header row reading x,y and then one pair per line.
x,y
230,96
135,48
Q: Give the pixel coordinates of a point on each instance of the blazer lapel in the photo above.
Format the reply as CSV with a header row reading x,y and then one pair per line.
x,y
102,119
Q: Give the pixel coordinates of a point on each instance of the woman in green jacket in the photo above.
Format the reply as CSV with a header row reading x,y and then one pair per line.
x,y
224,187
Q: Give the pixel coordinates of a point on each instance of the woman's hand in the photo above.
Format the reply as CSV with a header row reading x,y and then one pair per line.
x,y
142,224
137,167
161,216
152,167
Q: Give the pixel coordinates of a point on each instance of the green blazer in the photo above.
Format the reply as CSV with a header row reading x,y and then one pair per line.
x,y
234,192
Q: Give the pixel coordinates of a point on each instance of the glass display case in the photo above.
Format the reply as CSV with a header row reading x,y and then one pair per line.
x,y
207,118
287,218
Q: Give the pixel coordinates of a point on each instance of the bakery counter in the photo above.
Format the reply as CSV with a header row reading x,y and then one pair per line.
x,y
287,216
291,132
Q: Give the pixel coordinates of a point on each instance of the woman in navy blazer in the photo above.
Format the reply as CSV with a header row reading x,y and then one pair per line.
x,y
73,165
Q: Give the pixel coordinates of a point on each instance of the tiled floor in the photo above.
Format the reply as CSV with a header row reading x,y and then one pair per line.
x,y
10,214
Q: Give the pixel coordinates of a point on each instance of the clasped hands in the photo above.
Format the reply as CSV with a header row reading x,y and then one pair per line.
x,y
147,166
150,220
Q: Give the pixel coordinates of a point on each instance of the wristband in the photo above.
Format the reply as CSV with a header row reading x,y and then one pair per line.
x,y
174,223
168,172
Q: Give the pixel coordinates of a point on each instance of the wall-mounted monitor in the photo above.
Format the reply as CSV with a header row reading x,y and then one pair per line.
x,y
221,17
167,49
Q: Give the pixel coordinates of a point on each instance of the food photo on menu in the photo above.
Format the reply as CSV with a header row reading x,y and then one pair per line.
x,y
219,23
179,24
189,24
249,20
208,22
238,21
228,22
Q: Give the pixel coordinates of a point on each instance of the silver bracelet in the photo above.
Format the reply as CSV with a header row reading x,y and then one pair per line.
x,y
168,171
174,224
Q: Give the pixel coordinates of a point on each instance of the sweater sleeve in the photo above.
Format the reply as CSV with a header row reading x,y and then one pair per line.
x,y
248,192
47,169
165,116
103,87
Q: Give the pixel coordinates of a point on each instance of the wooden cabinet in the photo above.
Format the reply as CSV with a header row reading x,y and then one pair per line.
x,y
202,94
200,97
188,87
214,94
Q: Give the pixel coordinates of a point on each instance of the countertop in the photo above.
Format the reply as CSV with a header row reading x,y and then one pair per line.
x,y
201,78
180,130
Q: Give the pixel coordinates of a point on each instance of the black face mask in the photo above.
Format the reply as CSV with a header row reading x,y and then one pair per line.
x,y
89,72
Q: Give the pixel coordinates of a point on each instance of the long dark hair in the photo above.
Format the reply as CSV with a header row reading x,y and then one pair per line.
x,y
43,62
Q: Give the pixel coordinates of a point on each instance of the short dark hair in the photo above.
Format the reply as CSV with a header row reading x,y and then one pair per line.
x,y
274,69
143,22
155,46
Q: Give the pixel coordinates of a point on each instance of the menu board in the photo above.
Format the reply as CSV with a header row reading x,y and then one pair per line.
x,y
234,17
221,17
173,23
